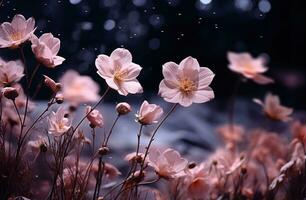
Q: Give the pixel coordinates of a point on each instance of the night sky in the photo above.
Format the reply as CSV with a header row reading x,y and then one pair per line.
x,y
158,31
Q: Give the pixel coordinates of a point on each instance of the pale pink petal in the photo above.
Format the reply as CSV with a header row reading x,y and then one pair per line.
x,y
105,66
170,71
261,79
58,60
185,101
132,71
203,95
132,87
205,77
189,68
30,25
123,56
110,82
19,23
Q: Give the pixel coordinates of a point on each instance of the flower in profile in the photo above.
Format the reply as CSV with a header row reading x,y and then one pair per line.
x,y
58,122
78,89
17,32
119,71
46,49
167,164
249,67
55,87
94,117
10,93
132,157
149,113
110,171
10,72
273,109
186,83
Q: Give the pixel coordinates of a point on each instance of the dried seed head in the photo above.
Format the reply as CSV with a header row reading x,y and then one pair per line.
x,y
10,93
103,150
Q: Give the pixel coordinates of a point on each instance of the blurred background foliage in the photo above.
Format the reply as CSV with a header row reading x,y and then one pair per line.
x,y
157,31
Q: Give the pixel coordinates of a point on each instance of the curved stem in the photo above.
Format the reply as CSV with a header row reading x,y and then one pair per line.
x,y
17,111
101,99
33,74
153,135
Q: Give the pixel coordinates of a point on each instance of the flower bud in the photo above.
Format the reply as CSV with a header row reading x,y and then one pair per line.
x,y
123,108
55,87
10,93
59,98
192,165
103,150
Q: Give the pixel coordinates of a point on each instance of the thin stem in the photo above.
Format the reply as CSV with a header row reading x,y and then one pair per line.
x,y
94,107
17,111
110,132
153,135
33,75
93,140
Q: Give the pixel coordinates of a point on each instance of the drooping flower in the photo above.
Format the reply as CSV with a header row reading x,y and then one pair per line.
x,y
10,72
249,67
119,71
94,117
17,32
186,83
58,122
149,113
78,89
167,164
46,49
273,109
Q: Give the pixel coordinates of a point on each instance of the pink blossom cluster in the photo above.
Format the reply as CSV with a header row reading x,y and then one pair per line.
x,y
50,155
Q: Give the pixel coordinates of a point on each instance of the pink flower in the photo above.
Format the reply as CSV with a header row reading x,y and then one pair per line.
x,y
167,164
186,83
94,117
273,109
58,122
79,89
15,33
123,108
46,49
249,67
197,182
10,72
37,146
149,113
119,71
299,131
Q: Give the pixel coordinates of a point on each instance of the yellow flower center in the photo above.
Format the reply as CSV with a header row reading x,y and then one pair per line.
x,y
16,36
187,86
119,76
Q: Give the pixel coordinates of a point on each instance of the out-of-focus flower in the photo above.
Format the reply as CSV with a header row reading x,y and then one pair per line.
x,y
299,131
46,49
17,32
55,87
273,109
236,164
197,182
249,67
10,72
110,171
123,108
58,122
167,164
37,146
119,71
21,100
78,89
149,113
231,133
133,157
94,117
81,138
186,83
10,93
